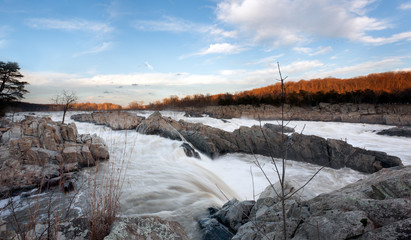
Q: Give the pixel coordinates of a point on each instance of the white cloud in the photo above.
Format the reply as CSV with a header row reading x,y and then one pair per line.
x,y
267,60
178,25
405,6
280,22
97,49
300,66
148,66
69,25
385,40
313,52
232,72
383,65
224,48
48,78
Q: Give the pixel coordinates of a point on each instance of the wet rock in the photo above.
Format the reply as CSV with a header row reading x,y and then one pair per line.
x,y
212,229
146,227
234,213
397,131
189,151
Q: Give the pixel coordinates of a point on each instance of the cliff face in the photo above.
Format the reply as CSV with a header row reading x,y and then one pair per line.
x,y
399,115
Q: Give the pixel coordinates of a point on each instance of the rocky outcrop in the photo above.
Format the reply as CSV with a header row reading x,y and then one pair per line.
x,y
38,151
378,207
399,115
146,227
267,141
397,131
116,120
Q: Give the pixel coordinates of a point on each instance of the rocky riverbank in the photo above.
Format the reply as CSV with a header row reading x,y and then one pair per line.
x,y
398,115
40,152
265,141
378,207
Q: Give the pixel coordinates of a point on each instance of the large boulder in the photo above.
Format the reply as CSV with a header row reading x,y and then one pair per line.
x,y
158,125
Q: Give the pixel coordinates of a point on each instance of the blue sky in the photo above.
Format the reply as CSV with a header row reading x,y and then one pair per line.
x,y
121,51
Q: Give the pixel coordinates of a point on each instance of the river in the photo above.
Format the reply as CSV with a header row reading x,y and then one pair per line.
x,y
161,180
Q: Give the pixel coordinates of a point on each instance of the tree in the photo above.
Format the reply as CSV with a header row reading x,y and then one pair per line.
x,y
65,99
11,88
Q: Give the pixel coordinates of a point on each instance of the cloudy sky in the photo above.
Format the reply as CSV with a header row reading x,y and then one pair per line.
x,y
138,50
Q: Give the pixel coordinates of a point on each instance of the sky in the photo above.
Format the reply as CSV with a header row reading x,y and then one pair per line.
x,y
121,51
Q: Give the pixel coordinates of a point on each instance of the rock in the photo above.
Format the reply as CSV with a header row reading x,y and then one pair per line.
x,y
68,186
189,151
36,151
396,131
277,128
214,230
157,125
396,230
116,120
146,227
234,213
191,113
98,148
69,132
398,115
335,224
377,207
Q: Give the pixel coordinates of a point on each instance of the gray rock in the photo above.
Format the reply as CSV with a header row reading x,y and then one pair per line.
x,y
377,207
146,227
212,229
116,120
234,213
157,125
397,131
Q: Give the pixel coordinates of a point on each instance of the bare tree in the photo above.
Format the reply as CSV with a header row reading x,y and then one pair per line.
x,y
285,144
65,99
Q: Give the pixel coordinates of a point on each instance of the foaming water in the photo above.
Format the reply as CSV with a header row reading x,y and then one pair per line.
x,y
160,180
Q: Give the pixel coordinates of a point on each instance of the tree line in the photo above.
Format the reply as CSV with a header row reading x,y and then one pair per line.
x,y
376,88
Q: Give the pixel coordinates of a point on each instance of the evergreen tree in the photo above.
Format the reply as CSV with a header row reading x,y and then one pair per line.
x,y
11,88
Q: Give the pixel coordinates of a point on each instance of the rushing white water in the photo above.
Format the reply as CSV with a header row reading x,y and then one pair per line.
x,y
161,180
